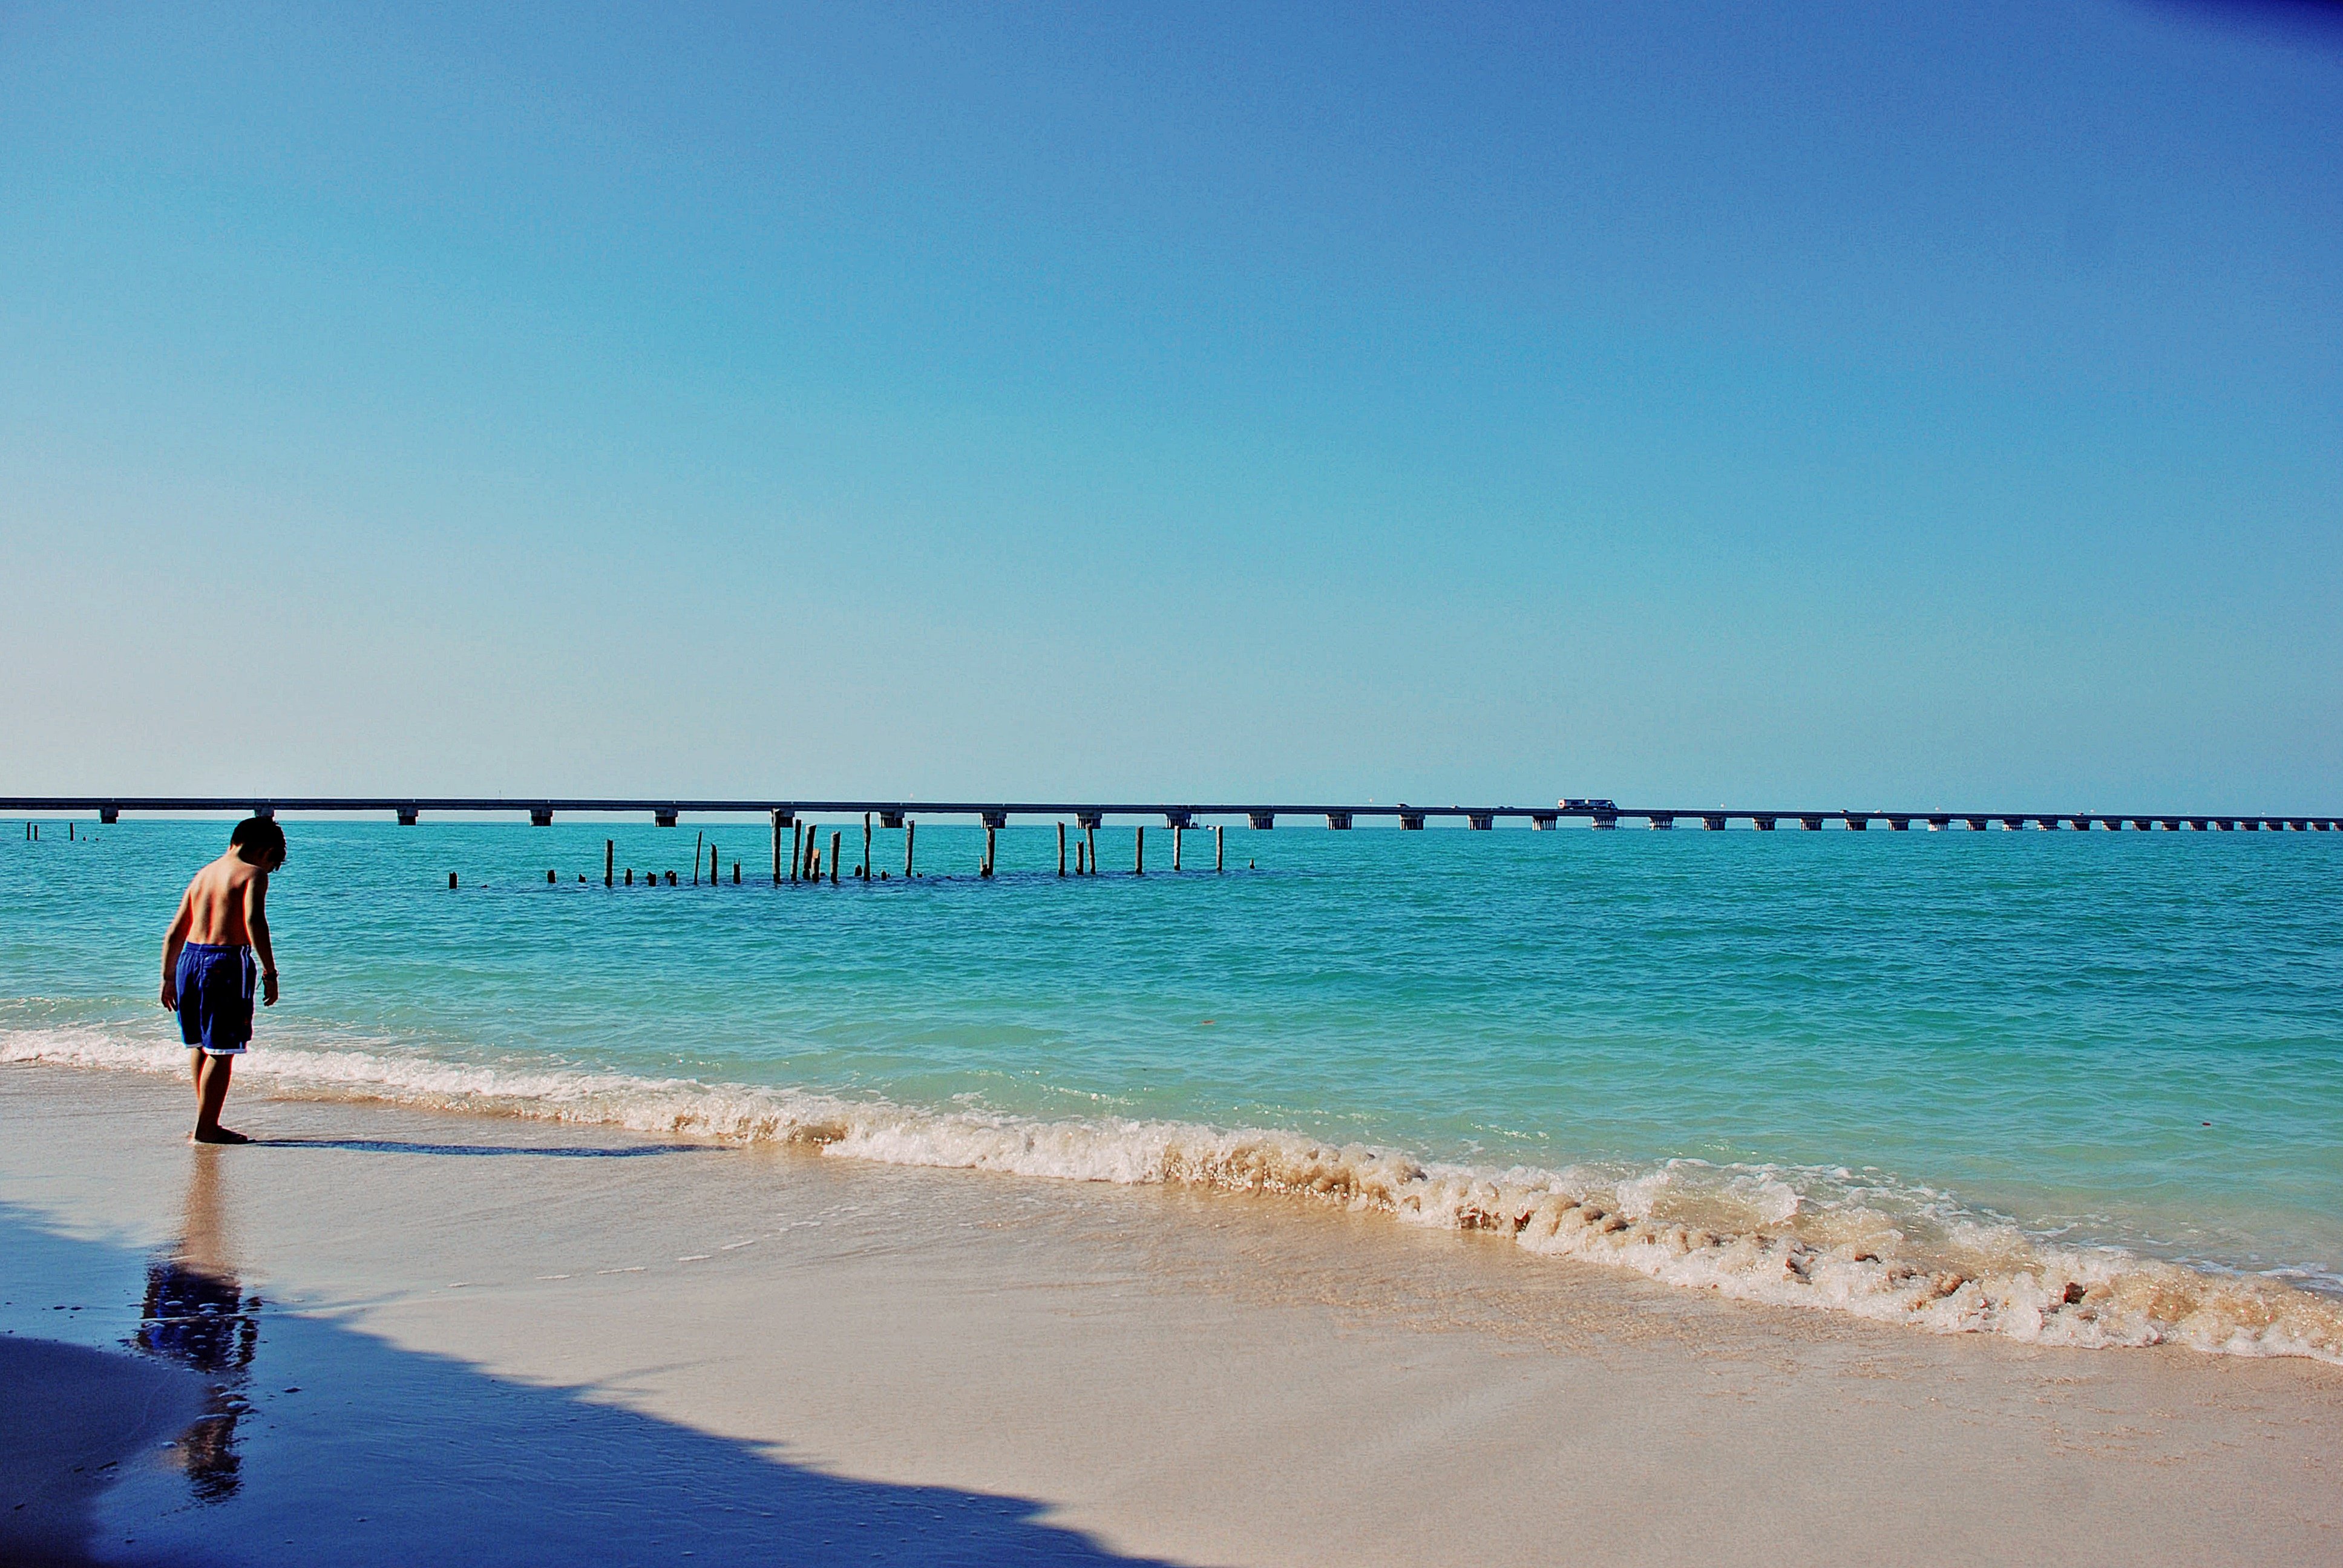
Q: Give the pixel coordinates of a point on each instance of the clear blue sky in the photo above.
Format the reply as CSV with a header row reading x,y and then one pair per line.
x,y
1849,405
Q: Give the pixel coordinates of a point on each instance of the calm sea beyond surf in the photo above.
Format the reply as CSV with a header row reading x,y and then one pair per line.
x,y
2075,1089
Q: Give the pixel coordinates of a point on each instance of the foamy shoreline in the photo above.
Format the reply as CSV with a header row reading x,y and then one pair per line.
x,y
1748,1235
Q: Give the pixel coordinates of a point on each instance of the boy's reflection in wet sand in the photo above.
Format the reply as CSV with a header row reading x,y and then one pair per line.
x,y
197,1315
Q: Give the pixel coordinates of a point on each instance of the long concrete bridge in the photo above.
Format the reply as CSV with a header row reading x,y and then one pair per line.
x,y
784,813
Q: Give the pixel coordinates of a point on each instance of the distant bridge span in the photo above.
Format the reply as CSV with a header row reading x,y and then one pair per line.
x,y
666,812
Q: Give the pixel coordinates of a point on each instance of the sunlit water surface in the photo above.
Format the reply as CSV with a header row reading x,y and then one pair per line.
x,y
2128,1038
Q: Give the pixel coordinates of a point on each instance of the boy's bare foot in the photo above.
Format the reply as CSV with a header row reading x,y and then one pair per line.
x,y
218,1135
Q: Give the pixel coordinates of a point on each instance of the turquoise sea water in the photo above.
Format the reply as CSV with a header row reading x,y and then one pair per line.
x,y
2107,1039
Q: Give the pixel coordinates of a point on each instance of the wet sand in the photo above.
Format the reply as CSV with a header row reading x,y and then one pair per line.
x,y
438,1337
73,1416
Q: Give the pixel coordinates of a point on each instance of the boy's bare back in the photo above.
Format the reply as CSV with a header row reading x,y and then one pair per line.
x,y
221,901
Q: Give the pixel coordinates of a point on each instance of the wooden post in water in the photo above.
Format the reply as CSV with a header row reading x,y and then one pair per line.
x,y
697,845
835,840
735,873
549,879
1219,847
1179,830
1061,849
866,846
631,876
797,849
712,877
1090,842
776,848
609,858
1138,851
985,870
451,881
909,829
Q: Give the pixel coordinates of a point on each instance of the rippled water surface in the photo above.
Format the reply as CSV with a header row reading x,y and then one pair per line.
x,y
2130,1037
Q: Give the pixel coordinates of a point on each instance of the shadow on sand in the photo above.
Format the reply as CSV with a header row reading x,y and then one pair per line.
x,y
399,1146
321,1443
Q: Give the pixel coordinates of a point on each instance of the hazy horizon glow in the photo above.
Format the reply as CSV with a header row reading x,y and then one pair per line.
x,y
1815,405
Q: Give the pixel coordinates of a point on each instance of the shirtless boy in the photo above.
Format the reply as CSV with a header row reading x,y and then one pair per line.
x,y
208,966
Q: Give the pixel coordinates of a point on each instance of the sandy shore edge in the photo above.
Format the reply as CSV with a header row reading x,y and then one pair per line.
x,y
745,1346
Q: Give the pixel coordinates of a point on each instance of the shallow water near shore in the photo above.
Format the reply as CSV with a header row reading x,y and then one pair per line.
x,y
2076,1088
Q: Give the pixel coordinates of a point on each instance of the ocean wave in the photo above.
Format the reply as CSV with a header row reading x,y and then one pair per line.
x,y
1822,1239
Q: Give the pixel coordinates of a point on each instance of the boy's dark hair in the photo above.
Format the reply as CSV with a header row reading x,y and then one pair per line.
x,y
260,836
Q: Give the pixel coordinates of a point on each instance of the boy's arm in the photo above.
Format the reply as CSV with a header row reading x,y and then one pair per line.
x,y
255,927
173,940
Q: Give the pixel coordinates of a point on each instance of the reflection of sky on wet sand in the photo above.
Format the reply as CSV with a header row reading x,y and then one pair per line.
x,y
196,1313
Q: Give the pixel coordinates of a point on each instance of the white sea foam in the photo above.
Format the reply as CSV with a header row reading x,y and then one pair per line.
x,y
1816,1239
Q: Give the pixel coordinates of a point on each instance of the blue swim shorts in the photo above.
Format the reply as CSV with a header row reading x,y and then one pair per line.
x,y
215,984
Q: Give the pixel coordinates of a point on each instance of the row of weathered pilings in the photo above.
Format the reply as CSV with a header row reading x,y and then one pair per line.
x,y
807,862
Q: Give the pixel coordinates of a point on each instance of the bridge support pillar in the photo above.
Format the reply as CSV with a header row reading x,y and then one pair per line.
x,y
1481,821
540,816
1900,824
1713,824
890,819
1088,821
1661,820
1262,820
409,815
994,821
109,814
1605,821
1411,821
1856,824
1811,824
1765,824
663,817
1544,821
1338,820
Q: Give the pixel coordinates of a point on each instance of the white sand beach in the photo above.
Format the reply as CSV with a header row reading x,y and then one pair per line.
x,y
489,1340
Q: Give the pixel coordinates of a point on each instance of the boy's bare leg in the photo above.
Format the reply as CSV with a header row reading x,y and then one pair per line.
x,y
211,1093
